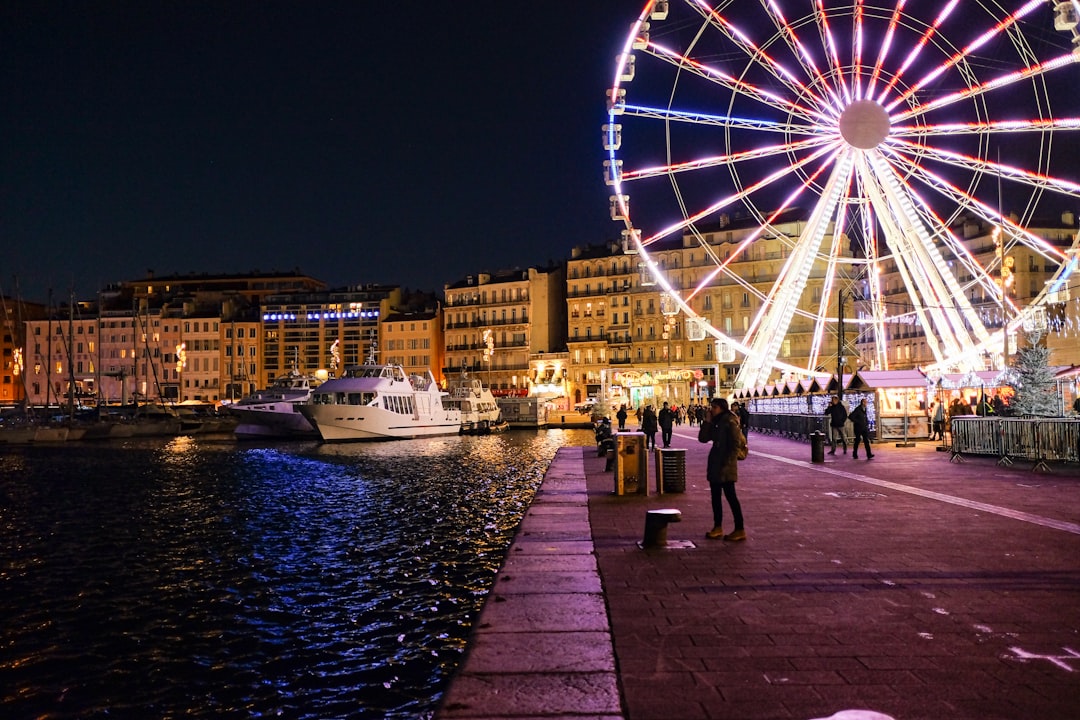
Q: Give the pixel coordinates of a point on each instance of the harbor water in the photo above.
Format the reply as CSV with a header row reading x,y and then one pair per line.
x,y
206,578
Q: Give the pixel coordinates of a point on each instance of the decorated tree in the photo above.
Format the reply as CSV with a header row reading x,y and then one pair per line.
x,y
1036,391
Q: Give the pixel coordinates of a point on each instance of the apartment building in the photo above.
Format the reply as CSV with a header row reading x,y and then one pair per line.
x,y
324,332
414,340
13,344
629,339
494,322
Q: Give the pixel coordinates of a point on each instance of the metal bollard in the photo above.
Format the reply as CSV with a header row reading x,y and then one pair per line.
x,y
817,447
656,523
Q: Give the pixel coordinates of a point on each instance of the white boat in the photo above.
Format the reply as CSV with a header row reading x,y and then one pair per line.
x,y
380,402
272,412
480,413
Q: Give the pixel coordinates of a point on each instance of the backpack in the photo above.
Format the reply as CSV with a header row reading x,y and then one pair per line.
x,y
741,449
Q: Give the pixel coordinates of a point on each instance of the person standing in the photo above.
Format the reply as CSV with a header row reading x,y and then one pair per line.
x,y
837,417
861,422
666,419
648,426
939,422
621,417
721,428
744,417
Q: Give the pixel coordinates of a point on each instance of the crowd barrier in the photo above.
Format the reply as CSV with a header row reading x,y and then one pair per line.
x,y
788,425
1039,440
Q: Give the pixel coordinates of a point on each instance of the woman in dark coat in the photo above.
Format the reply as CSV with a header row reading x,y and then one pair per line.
x,y
721,427
649,427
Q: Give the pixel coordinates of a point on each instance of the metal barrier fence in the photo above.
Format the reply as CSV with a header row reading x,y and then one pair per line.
x,y
1037,439
785,425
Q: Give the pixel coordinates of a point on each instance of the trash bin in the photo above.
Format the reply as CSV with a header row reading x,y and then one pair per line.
x,y
817,447
670,470
631,464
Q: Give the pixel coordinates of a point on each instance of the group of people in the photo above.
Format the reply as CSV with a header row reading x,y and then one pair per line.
x,y
860,422
650,421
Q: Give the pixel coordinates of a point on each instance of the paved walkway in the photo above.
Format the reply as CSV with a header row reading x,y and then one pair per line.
x,y
905,585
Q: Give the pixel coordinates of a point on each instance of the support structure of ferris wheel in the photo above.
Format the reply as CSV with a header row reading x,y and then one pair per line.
x,y
877,115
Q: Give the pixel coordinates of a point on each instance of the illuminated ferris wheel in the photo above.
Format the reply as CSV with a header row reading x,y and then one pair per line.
x,y
885,125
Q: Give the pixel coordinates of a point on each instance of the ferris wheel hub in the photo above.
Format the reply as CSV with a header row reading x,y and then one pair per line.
x,y
864,124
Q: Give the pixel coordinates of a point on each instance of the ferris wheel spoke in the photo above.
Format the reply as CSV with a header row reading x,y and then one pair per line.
x,y
886,45
934,291
770,326
967,201
999,83
981,276
1006,172
996,127
724,121
830,48
729,82
799,50
917,49
755,53
725,202
831,272
969,50
721,160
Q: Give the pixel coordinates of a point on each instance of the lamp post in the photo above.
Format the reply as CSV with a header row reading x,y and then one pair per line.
x,y
840,348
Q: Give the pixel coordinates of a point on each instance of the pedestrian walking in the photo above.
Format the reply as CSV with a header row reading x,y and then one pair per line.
x,y
666,419
837,417
648,426
721,428
621,417
861,422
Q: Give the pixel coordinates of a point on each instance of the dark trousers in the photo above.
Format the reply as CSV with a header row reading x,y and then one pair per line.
x,y
650,440
665,436
855,443
727,490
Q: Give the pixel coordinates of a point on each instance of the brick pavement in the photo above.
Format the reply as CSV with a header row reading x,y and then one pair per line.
x,y
907,585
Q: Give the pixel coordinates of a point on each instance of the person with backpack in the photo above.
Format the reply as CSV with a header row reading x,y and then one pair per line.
x,y
861,421
721,428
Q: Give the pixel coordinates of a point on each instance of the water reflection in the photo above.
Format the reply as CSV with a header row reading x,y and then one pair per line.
x,y
211,579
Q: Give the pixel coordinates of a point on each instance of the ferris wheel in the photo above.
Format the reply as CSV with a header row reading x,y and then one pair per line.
x,y
884,126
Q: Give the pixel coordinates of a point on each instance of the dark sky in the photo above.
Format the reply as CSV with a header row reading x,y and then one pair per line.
x,y
406,143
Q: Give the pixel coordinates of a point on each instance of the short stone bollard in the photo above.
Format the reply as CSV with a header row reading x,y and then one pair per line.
x,y
656,524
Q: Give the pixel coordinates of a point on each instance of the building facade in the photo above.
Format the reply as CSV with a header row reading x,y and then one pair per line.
x,y
414,340
494,322
323,333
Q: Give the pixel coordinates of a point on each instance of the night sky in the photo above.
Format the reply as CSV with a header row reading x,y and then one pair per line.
x,y
386,142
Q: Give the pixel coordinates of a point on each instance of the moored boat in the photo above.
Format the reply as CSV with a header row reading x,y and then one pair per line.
x,y
480,413
380,402
272,412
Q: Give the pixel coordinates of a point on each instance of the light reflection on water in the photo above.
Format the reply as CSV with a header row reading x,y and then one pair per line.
x,y
185,577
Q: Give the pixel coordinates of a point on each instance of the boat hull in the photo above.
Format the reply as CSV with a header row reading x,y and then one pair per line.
x,y
341,423
272,423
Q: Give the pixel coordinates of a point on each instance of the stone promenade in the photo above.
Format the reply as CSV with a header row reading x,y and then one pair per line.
x,y
906,585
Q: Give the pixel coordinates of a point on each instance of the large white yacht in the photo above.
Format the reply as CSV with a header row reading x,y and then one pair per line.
x,y
272,412
380,402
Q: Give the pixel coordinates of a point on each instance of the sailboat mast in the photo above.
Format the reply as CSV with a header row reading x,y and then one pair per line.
x,y
71,353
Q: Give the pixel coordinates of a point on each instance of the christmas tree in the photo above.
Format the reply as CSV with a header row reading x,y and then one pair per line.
x,y
1036,392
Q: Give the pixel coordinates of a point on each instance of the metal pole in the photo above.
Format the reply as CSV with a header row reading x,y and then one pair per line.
x,y
840,350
